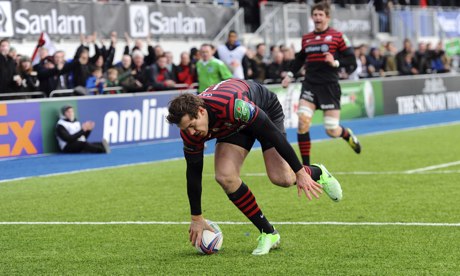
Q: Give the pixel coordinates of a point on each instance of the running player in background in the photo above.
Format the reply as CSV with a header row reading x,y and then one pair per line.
x,y
323,51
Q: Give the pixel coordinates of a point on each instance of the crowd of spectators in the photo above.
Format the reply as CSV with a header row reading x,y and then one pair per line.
x,y
148,67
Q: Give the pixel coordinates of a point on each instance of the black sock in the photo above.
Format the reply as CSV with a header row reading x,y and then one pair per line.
x,y
345,134
304,145
246,202
313,171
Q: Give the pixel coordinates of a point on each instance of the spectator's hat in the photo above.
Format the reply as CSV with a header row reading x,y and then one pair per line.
x,y
48,59
65,108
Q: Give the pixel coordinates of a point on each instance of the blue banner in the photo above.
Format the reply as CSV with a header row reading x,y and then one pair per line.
x,y
129,120
449,22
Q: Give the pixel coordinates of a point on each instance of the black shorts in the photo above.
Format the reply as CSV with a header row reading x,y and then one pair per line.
x,y
269,103
323,96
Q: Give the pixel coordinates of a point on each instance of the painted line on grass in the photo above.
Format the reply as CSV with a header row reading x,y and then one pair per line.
x,y
434,167
361,173
429,224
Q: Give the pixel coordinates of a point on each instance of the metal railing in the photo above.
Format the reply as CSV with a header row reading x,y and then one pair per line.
x,y
22,95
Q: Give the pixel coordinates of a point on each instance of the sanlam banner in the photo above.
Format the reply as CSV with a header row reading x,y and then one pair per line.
x,y
22,19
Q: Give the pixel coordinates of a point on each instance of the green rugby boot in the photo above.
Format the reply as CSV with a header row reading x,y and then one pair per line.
x,y
330,184
267,242
354,142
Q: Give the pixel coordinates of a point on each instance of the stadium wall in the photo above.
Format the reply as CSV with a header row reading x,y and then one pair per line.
x,y
27,126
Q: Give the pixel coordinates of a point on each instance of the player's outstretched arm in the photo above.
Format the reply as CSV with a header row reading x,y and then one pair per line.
x,y
197,225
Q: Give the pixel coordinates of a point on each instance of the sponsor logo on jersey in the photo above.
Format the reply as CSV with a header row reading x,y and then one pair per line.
x,y
243,111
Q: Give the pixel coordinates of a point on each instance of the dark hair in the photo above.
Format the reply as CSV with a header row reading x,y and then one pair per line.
x,y
321,6
184,104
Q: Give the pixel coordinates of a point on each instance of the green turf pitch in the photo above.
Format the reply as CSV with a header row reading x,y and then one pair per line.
x,y
377,188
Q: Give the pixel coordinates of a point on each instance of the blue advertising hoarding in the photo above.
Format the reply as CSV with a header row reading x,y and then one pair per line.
x,y
129,120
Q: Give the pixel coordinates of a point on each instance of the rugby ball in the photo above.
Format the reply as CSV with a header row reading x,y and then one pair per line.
x,y
211,242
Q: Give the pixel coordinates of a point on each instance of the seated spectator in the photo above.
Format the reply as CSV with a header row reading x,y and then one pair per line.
x,y
95,81
390,57
172,68
29,77
408,67
440,63
375,63
71,134
112,81
250,65
185,74
160,77
260,61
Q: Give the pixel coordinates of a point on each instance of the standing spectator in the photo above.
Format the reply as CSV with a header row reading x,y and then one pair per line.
x,y
126,75
139,45
355,75
112,81
96,81
422,58
140,72
29,77
250,65
275,70
260,61
159,76
172,68
9,78
232,54
62,78
401,57
210,70
390,57
72,135
185,74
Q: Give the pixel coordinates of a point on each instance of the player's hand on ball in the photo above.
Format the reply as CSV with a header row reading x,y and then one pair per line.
x,y
197,226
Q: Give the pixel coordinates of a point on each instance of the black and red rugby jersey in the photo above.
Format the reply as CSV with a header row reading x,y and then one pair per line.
x,y
229,110
314,45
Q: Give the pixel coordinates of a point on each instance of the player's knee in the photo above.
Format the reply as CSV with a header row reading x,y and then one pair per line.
x,y
227,182
305,114
332,126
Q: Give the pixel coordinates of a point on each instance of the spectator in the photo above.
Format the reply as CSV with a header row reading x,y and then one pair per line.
x,y
185,74
140,71
9,78
401,57
390,57
423,59
160,77
126,75
210,70
172,68
408,67
112,81
96,81
29,77
275,69
139,45
439,61
250,65
260,61
232,54
63,76
71,134
355,75
375,63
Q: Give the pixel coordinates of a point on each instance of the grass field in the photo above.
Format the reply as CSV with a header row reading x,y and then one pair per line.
x,y
378,187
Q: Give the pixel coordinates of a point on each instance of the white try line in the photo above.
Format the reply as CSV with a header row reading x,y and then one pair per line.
x,y
339,223
434,167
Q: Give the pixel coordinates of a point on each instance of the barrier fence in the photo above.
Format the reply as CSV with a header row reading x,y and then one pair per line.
x,y
27,126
